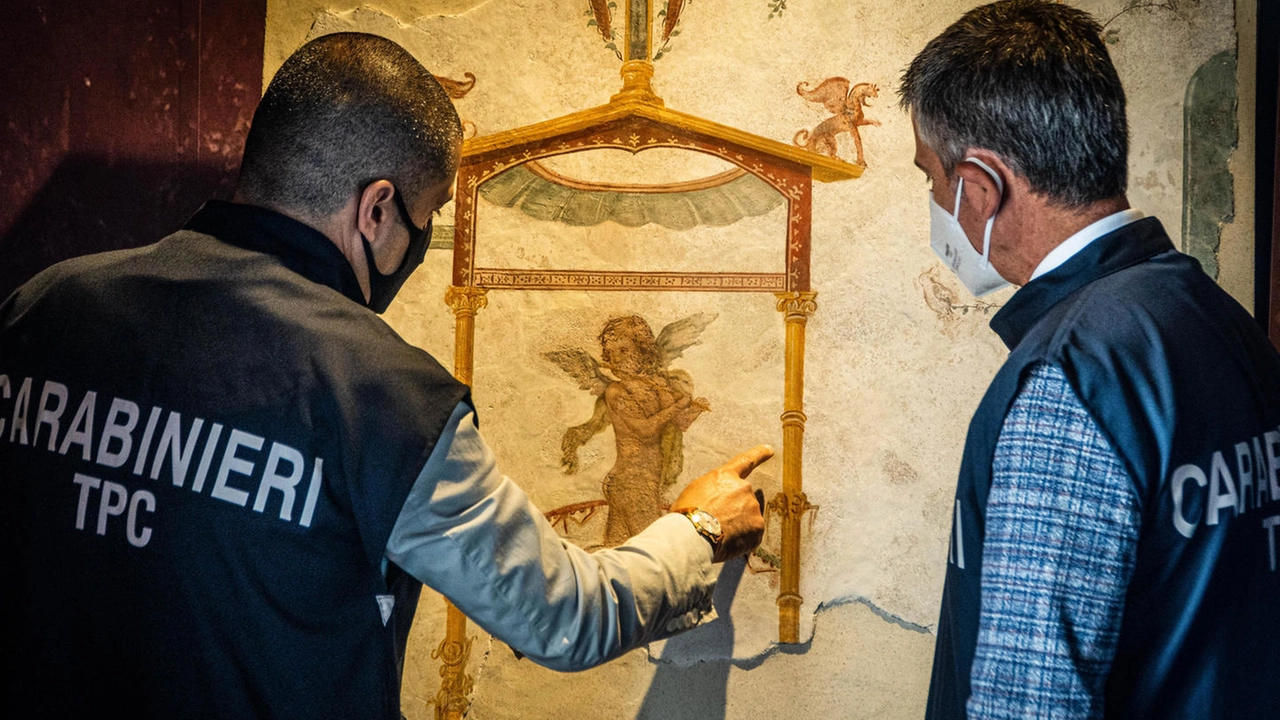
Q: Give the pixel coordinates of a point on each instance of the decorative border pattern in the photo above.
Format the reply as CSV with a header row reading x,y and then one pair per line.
x,y
493,278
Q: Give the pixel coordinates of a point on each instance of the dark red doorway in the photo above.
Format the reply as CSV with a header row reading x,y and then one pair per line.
x,y
117,119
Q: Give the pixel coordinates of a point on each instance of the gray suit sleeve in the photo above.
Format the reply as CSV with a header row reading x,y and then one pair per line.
x,y
473,535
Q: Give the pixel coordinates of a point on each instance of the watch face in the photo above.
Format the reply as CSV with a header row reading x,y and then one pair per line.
x,y
708,522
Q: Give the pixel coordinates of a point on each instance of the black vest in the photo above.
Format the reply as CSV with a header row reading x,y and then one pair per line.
x,y
1186,388
204,445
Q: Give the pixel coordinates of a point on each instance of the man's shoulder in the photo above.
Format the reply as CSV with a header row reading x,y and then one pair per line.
x,y
1168,291
78,269
207,296
73,282
1162,319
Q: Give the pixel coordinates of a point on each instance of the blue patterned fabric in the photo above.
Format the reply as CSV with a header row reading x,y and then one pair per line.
x,y
1061,541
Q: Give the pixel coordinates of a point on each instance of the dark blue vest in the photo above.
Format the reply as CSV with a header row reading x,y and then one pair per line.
x,y
204,445
1186,388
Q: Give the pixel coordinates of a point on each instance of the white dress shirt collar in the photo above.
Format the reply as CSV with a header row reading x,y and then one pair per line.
x,y
1074,244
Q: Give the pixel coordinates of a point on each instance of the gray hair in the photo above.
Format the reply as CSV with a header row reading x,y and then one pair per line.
x,y
1031,81
344,110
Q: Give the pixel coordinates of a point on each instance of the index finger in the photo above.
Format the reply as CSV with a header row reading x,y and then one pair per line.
x,y
743,463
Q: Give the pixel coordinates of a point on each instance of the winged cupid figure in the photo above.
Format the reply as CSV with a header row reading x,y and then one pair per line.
x,y
649,405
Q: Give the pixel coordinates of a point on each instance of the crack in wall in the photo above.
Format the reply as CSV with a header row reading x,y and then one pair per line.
x,y
754,661
878,611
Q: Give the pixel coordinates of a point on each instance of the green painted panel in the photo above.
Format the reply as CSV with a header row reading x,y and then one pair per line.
x,y
746,196
1209,137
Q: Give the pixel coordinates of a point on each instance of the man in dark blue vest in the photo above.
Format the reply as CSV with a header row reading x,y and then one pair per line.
x,y
1113,549
225,477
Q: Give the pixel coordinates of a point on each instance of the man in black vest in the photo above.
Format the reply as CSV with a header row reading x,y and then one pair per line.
x,y
225,477
1113,550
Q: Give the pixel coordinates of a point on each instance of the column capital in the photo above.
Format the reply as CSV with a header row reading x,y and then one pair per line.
x,y
797,306
466,300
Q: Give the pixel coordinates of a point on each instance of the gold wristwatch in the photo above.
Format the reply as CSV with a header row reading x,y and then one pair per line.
x,y
707,526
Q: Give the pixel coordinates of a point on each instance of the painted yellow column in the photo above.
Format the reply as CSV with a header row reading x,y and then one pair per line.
x,y
452,699
465,301
791,504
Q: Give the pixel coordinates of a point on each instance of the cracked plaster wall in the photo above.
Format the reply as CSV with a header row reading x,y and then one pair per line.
x,y
897,354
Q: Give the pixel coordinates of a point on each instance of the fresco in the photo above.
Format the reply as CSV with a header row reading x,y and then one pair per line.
x,y
897,353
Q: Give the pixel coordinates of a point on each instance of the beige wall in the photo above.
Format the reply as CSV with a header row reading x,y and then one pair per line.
x,y
892,376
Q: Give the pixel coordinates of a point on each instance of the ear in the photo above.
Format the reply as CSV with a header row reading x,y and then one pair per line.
x,y
374,216
984,194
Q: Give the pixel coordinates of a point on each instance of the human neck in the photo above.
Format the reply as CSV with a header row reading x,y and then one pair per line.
x,y
331,227
1042,226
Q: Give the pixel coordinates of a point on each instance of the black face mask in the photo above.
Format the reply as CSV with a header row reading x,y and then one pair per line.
x,y
383,288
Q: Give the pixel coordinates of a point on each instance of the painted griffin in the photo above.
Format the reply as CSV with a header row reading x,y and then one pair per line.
x,y
846,103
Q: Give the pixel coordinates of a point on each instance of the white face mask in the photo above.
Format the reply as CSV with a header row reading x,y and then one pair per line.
x,y
949,241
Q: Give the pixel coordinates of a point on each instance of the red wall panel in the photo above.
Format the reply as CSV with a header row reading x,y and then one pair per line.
x,y
117,119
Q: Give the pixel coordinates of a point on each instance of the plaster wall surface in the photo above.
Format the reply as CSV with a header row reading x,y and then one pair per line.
x,y
898,354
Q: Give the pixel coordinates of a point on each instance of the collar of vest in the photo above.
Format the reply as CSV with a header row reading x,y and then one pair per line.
x,y
1110,253
299,247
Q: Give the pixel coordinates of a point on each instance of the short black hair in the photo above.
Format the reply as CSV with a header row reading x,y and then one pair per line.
x,y
1031,81
344,110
